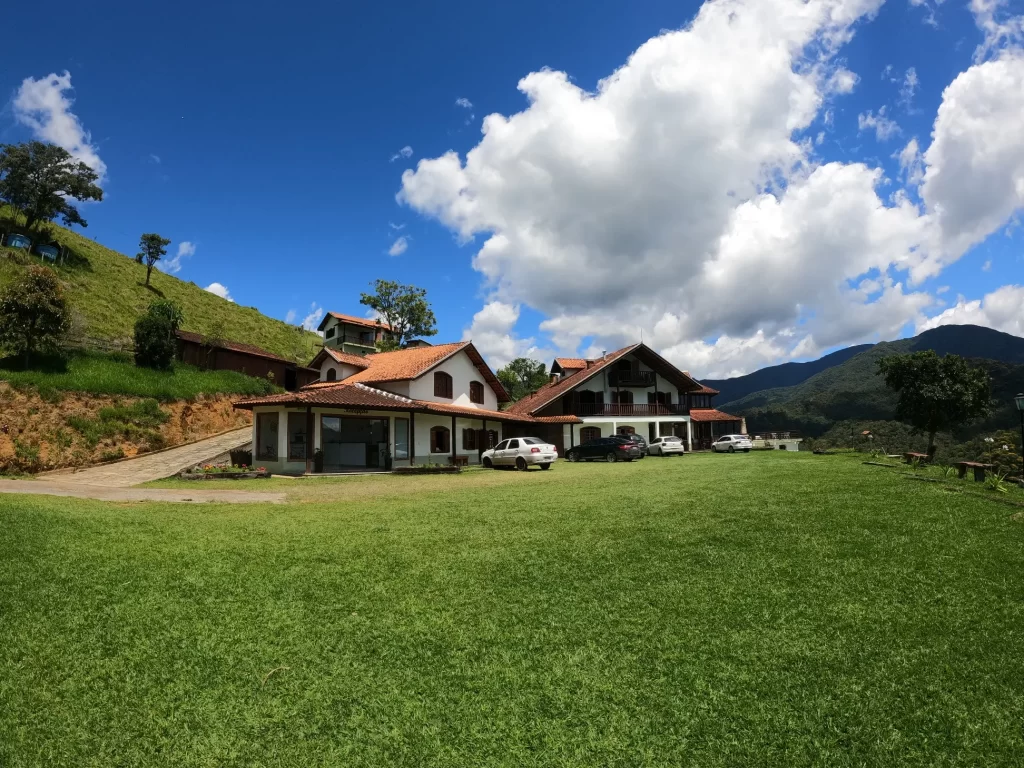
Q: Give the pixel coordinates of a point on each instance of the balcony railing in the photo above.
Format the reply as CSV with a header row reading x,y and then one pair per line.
x,y
627,409
349,338
631,378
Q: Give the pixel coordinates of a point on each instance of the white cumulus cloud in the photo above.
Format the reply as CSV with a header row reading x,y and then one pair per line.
x,y
1003,309
883,126
689,207
45,106
312,320
492,332
219,289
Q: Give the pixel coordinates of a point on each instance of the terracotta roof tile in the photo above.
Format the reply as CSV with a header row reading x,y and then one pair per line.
x,y
571,362
358,361
366,322
549,391
233,346
710,414
704,390
558,419
404,363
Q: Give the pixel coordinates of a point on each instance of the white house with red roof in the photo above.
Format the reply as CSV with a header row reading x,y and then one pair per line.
x,y
631,390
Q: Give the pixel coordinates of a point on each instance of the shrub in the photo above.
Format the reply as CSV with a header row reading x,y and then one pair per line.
x,y
25,459
136,422
155,343
34,313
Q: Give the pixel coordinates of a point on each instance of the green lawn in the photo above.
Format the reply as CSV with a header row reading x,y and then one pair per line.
x,y
101,374
715,610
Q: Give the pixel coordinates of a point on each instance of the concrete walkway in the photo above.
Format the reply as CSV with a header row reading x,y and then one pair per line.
x,y
151,466
55,487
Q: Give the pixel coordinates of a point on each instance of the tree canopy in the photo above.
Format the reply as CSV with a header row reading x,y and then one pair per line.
x,y
34,313
936,393
152,248
155,342
404,308
41,181
522,376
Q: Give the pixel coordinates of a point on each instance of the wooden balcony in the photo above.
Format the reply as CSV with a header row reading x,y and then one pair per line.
x,y
641,410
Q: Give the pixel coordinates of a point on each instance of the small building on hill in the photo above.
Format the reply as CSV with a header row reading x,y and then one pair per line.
x,y
225,355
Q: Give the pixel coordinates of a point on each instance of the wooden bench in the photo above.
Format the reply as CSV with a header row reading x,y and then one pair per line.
x,y
458,461
979,470
910,457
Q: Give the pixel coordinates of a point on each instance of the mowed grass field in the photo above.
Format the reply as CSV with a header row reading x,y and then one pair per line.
x,y
714,610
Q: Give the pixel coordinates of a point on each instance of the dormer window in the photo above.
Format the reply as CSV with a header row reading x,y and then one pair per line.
x,y
330,332
332,374
476,392
442,385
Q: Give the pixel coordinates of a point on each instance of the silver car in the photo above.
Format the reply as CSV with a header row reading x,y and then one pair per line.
x,y
670,445
521,453
731,444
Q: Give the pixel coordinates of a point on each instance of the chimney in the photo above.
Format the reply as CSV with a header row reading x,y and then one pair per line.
x,y
604,353
554,378
589,363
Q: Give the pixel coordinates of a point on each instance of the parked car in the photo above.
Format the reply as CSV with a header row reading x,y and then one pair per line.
x,y
670,445
732,443
638,441
521,453
609,449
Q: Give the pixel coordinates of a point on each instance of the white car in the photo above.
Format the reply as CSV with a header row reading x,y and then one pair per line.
x,y
670,445
521,453
732,443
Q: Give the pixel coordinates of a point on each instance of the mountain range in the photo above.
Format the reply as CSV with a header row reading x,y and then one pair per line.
x,y
813,396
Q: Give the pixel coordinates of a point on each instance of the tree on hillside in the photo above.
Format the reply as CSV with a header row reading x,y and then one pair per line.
x,y
41,180
152,248
34,313
936,393
522,376
404,308
155,342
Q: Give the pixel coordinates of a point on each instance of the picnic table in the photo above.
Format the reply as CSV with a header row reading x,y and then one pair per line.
x,y
911,457
979,469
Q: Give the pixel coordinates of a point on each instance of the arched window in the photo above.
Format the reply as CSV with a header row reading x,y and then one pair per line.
x,y
440,439
332,374
589,433
476,392
442,385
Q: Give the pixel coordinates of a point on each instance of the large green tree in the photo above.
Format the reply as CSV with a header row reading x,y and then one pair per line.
x,y
42,181
152,248
34,313
404,308
936,393
522,376
155,342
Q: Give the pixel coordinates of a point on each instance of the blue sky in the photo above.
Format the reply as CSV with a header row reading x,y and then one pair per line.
x,y
272,143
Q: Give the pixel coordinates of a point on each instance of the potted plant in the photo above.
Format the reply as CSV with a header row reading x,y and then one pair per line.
x,y
318,460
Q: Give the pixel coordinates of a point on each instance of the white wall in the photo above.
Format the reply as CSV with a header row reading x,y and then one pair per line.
x,y
341,370
599,383
462,371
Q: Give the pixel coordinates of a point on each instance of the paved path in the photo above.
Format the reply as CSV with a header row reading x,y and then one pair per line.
x,y
151,466
55,487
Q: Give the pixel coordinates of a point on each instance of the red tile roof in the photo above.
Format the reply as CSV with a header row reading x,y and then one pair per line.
x,y
710,414
340,357
233,346
571,362
412,363
704,390
551,391
366,322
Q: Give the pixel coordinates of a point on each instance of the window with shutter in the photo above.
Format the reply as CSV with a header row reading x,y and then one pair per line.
x,y
589,433
476,392
442,385
469,439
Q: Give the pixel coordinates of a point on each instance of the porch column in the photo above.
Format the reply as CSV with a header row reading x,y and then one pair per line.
x,y
309,439
689,434
454,444
657,428
572,437
615,428
412,438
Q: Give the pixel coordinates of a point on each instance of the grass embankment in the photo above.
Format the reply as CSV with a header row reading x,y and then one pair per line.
x,y
102,374
107,290
762,609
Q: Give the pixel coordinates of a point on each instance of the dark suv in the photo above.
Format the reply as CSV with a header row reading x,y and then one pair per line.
x,y
638,441
616,448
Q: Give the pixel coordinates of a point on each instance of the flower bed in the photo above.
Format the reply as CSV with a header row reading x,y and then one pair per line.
x,y
435,469
223,472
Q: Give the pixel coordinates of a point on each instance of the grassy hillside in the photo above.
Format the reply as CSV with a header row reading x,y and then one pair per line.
x,y
852,390
107,291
